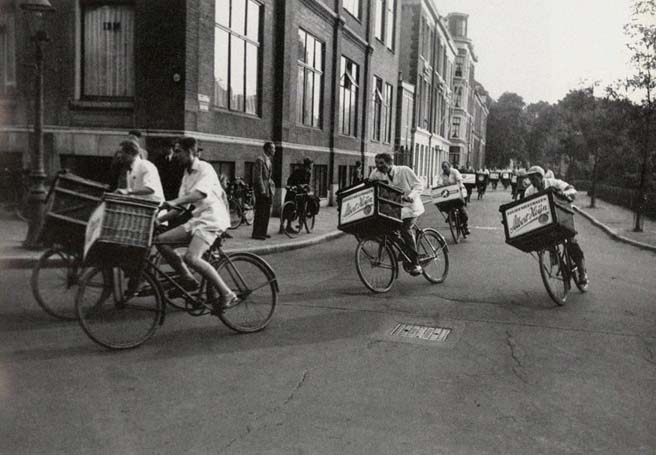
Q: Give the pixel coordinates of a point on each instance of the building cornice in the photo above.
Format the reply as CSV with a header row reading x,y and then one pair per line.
x,y
322,10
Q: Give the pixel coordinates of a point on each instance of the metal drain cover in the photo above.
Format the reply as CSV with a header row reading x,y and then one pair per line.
x,y
420,332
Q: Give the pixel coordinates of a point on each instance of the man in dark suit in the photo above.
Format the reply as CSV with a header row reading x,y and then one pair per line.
x,y
170,172
263,188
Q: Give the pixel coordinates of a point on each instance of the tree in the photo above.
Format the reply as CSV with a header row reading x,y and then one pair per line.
x,y
641,31
506,130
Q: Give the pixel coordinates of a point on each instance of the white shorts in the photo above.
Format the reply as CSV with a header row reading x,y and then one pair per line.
x,y
197,228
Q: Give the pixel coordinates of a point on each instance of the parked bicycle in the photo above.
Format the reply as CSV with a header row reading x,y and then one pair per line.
x,y
241,203
124,312
377,258
299,211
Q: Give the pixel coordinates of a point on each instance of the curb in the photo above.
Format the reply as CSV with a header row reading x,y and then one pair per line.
x,y
28,262
614,235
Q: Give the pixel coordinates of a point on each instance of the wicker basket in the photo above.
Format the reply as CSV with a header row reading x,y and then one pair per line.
x,y
71,200
120,231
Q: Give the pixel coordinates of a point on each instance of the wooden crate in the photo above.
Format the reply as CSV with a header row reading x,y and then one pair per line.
x,y
71,201
446,197
537,221
494,176
469,179
120,231
369,208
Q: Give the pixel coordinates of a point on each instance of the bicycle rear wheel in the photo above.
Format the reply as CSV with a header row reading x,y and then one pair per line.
x,y
118,321
433,255
248,213
254,282
554,273
454,225
235,214
54,283
309,222
376,264
287,217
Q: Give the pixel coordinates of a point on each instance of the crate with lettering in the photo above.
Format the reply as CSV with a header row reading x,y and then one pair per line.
x,y
537,221
494,176
70,202
468,178
369,208
120,231
447,197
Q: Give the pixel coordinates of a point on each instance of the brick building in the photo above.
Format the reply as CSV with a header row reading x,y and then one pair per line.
x,y
317,78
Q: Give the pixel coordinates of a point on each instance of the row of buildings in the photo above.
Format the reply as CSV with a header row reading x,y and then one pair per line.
x,y
337,81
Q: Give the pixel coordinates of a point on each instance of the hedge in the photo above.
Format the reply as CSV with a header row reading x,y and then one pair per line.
x,y
626,197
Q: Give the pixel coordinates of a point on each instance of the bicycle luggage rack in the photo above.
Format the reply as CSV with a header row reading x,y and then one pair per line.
x,y
538,221
369,208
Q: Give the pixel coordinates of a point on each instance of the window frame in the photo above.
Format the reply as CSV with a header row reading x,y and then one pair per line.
x,y
307,68
246,41
388,110
377,106
320,180
356,4
82,5
8,51
354,92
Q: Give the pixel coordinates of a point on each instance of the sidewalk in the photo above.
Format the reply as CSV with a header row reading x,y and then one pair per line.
x,y
617,222
13,231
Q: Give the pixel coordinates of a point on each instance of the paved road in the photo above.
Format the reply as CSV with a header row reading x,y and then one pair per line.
x,y
517,375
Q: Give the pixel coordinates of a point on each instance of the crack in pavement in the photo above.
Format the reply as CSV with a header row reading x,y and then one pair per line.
x,y
518,368
249,428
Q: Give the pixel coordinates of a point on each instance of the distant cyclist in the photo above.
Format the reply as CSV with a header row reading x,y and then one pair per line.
x,y
451,176
538,183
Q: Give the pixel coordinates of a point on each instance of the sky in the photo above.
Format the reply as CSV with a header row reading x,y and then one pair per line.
x,y
541,49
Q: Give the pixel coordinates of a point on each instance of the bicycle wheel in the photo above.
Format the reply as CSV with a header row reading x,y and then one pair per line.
x,y
248,213
376,264
553,270
461,226
254,282
287,217
54,282
235,214
309,222
433,255
454,223
118,321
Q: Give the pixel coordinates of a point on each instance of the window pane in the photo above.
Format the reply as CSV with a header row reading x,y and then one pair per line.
x,y
253,26
316,108
300,86
389,31
301,45
222,12
379,19
318,55
221,41
251,78
10,48
309,51
238,16
236,73
309,92
108,51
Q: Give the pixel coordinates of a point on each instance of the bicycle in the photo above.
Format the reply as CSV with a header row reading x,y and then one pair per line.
x,y
302,209
54,281
558,270
241,204
381,254
124,311
456,225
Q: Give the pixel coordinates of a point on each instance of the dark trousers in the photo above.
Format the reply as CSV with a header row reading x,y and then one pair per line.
x,y
262,215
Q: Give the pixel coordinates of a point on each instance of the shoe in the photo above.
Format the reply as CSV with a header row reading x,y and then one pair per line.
x,y
413,270
259,237
188,284
268,236
583,280
225,302
466,230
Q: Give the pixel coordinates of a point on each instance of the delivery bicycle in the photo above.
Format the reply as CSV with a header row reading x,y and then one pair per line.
x,y
124,308
299,212
558,270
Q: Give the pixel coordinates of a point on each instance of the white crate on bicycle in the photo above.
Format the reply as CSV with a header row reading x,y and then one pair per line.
x,y
469,179
494,176
447,196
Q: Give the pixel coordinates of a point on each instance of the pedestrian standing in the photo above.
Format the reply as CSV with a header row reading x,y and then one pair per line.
x,y
263,188
357,176
170,172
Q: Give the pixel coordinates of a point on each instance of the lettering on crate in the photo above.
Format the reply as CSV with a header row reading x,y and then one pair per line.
x,y
358,204
525,216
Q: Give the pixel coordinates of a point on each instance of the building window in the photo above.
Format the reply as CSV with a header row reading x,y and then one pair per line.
x,y
353,7
107,50
378,109
389,24
320,182
248,172
310,79
348,95
342,177
460,63
455,127
7,51
224,169
387,113
237,55
458,97
380,19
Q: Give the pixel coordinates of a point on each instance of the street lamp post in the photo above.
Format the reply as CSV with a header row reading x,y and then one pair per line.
x,y
36,12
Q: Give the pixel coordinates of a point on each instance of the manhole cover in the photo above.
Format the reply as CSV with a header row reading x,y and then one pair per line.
x,y
420,332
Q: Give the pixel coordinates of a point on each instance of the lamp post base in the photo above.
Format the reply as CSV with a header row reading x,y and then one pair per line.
x,y
36,212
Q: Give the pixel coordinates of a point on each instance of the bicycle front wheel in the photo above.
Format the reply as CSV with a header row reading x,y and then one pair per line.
x,y
309,222
254,282
54,283
433,255
454,225
553,270
119,321
376,264
287,217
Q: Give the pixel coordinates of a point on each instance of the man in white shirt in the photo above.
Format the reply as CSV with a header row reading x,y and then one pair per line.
x,y
406,180
200,186
452,176
538,183
142,175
